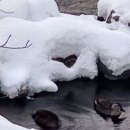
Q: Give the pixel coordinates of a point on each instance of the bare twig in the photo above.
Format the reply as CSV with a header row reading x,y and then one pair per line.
x,y
6,12
110,16
6,41
27,45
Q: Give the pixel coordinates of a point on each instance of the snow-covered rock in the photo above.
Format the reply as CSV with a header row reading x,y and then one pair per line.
x,y
33,67
34,10
7,125
28,48
111,9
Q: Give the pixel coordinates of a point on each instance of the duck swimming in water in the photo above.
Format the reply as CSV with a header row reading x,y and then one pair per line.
x,y
107,109
46,120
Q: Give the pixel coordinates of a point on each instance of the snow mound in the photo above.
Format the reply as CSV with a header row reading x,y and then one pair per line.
x,y
32,67
7,125
115,10
34,10
28,49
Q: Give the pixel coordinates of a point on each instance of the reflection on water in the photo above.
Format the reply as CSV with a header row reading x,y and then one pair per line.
x,y
73,103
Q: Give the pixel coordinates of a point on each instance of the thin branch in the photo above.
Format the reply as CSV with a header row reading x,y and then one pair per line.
x,y
6,12
27,45
6,41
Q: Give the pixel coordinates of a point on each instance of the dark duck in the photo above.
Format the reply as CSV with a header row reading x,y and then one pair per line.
x,y
108,109
46,120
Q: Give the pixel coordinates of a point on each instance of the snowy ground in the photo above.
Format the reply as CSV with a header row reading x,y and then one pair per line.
x,y
28,9
30,66
28,47
33,67
113,11
7,125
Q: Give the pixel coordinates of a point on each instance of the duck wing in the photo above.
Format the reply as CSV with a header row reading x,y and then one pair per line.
x,y
103,107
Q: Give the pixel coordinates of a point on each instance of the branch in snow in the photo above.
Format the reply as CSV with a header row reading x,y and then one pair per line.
x,y
110,16
27,45
6,12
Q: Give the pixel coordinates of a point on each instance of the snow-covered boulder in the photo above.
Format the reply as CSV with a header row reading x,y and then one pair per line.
x,y
34,10
109,73
33,67
114,10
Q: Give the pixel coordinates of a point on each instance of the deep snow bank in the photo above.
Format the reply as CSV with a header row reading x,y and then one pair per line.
x,y
28,49
34,10
33,68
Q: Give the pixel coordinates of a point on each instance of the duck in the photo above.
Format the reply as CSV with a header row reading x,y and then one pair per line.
x,y
46,120
109,109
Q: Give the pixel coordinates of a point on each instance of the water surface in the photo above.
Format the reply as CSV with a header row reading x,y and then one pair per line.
x,y
73,103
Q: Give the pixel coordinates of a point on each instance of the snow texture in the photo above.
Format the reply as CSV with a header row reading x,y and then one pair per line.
x,y
37,33
32,68
7,125
34,10
121,8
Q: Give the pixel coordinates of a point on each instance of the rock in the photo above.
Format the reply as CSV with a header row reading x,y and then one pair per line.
x,y
23,92
78,7
108,73
100,19
68,61
2,96
46,120
116,18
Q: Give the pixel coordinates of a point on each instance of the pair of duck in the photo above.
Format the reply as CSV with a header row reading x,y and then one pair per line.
x,y
50,121
108,109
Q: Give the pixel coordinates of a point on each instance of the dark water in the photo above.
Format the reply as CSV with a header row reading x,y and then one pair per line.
x,y
73,103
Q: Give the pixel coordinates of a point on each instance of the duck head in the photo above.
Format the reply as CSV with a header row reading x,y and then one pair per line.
x,y
118,106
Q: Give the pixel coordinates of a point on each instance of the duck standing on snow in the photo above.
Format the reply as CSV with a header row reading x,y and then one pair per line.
x,y
46,120
109,109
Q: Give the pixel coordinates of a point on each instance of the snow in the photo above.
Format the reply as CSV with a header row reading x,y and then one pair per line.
x,y
34,10
42,33
35,62
7,125
121,8
33,69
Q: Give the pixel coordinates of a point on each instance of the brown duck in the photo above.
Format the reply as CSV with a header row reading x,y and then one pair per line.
x,y
46,120
110,109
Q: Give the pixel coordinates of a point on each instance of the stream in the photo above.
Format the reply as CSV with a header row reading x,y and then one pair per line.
x,y
73,103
